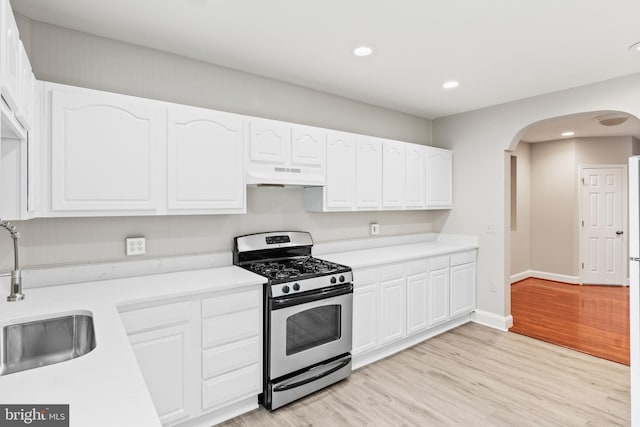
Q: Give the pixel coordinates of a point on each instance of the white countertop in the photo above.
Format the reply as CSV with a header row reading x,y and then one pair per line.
x,y
104,387
376,256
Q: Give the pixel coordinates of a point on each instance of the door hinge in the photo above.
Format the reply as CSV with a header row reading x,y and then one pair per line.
x,y
582,179
583,265
583,222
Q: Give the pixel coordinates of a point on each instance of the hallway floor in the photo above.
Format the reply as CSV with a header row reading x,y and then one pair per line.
x,y
591,319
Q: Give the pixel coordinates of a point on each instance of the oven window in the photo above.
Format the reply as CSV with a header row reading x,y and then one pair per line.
x,y
312,328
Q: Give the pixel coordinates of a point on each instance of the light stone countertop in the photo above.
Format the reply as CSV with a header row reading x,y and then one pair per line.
x,y
104,387
372,257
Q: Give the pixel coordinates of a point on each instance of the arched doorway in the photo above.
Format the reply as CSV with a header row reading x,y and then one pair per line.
x,y
595,139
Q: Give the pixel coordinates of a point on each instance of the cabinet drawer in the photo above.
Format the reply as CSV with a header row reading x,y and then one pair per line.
x,y
438,263
229,387
230,327
365,276
230,357
154,317
417,267
230,303
391,272
463,258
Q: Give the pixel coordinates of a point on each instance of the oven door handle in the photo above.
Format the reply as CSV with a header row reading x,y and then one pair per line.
x,y
285,387
320,294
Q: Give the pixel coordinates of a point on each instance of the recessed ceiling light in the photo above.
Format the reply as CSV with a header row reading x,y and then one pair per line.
x,y
635,47
362,51
613,119
568,133
450,84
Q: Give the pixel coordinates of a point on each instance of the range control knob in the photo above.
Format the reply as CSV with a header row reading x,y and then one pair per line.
x,y
333,280
285,289
296,287
341,278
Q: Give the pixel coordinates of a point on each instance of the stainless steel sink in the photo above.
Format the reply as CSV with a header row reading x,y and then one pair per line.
x,y
44,342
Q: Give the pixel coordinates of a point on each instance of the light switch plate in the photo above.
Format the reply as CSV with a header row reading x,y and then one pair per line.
x,y
135,246
375,229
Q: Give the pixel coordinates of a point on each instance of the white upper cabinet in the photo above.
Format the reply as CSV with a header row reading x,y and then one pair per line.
x,y
27,83
9,57
285,153
106,152
341,177
368,172
308,148
393,174
415,179
204,160
269,142
439,183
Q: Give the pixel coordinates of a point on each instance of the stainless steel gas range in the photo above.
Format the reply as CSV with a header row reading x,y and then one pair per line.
x,y
307,314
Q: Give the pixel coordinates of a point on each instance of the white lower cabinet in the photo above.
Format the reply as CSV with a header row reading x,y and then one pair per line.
x,y
163,355
365,310
395,303
392,303
417,297
162,338
201,356
438,296
463,280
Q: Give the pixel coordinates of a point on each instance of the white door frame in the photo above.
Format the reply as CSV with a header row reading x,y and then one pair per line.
x,y
625,219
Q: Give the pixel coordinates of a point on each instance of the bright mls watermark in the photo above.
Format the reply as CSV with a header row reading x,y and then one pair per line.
x,y
34,415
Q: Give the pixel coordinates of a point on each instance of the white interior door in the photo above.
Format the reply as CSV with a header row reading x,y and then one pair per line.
x,y
603,226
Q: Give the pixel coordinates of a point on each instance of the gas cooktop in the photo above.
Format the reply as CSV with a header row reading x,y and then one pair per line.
x,y
298,268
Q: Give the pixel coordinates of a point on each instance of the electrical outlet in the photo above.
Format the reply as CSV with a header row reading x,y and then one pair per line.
x,y
135,246
375,229
491,228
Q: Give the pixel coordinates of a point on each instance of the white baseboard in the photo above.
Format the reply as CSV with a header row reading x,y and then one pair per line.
x,y
545,275
492,320
520,276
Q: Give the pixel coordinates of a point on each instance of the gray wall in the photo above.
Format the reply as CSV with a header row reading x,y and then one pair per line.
x,y
482,141
69,57
521,235
547,238
555,195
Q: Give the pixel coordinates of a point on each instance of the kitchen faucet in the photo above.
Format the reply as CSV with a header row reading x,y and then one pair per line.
x,y
16,276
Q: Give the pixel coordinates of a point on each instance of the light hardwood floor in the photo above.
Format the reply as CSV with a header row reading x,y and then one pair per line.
x,y
470,376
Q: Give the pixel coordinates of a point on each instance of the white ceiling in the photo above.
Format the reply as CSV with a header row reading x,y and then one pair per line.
x,y
499,50
584,125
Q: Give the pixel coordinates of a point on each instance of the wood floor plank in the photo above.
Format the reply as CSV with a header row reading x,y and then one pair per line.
x,y
592,319
470,376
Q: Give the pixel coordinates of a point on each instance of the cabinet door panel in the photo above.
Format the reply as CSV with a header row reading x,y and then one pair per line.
x,y
10,61
393,174
438,296
307,147
439,170
463,278
235,385
364,318
269,141
106,152
27,81
417,307
368,173
341,162
393,311
414,192
205,160
163,359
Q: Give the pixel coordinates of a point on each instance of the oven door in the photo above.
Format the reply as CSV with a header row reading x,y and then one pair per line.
x,y
309,329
